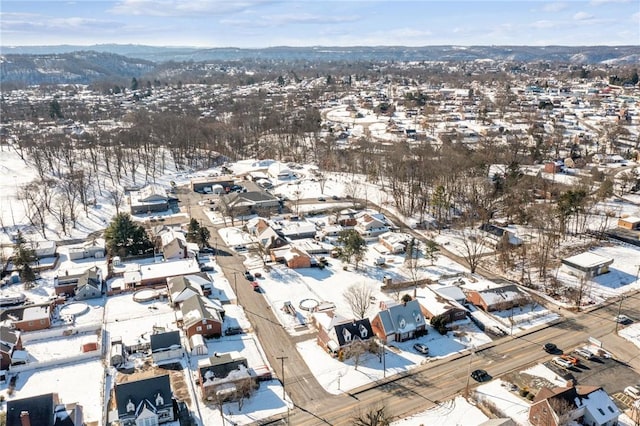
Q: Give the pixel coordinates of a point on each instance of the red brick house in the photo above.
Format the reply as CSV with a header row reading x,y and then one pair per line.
x,y
201,316
497,298
29,318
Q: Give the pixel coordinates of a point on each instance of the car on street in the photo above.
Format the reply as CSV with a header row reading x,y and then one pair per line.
x,y
480,376
322,199
248,276
623,319
561,362
335,197
422,348
256,286
550,348
207,250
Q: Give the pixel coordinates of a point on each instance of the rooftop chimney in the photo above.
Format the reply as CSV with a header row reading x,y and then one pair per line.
x,y
24,418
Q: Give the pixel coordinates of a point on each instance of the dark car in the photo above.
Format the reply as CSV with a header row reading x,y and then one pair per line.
x,y
248,276
232,331
208,250
480,376
322,199
550,348
422,348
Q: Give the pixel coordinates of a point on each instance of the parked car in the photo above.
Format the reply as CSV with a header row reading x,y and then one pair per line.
x,y
256,286
572,359
623,319
584,353
550,348
248,276
632,391
322,199
231,331
207,250
561,362
480,376
422,348
335,197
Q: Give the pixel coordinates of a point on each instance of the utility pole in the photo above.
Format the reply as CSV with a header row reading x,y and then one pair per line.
x,y
282,358
466,389
235,285
619,310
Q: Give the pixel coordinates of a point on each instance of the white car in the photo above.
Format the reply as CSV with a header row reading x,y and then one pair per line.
x,y
632,391
561,362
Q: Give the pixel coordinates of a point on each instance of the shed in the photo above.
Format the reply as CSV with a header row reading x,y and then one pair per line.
x,y
629,222
198,347
587,264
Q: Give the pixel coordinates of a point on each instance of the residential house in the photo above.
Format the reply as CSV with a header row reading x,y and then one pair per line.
x,y
166,346
586,405
399,322
496,235
587,265
435,304
144,402
299,229
28,318
497,298
44,249
10,341
184,286
394,242
43,410
242,203
336,333
293,257
140,275
173,245
87,285
371,225
269,238
94,249
224,376
151,198
201,316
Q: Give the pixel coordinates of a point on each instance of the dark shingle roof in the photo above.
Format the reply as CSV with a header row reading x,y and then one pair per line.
x,y
164,340
140,390
40,410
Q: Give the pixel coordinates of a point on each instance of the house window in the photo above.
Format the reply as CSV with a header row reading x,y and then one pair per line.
x,y
209,327
363,331
346,335
149,421
199,328
42,321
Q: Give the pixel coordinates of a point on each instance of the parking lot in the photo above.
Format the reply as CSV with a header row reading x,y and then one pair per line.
x,y
609,373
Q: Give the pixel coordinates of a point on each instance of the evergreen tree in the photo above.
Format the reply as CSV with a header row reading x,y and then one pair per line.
x,y
23,257
123,237
353,246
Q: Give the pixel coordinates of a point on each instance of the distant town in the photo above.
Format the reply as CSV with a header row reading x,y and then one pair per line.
x,y
343,242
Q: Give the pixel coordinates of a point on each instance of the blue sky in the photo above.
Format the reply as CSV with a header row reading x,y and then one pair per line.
x,y
264,23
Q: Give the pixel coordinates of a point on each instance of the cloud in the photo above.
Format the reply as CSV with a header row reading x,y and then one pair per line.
x,y
554,7
544,23
601,2
636,17
582,16
183,7
24,23
307,18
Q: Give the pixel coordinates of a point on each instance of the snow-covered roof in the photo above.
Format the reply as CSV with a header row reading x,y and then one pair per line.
x,y
600,405
587,260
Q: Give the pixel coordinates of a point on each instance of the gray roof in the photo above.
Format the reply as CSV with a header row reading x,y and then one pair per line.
x,y
161,341
143,391
359,329
402,317
40,410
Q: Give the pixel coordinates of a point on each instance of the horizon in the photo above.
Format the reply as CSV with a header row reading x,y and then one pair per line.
x,y
259,24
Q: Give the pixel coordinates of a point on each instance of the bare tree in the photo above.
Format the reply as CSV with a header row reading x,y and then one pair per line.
x,y
376,416
358,296
117,198
473,242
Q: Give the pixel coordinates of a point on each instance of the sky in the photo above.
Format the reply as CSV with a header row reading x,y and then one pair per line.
x,y
266,23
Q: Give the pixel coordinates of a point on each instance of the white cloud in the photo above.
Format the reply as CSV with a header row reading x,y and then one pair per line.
x,y
182,7
636,17
601,2
554,7
543,24
582,16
